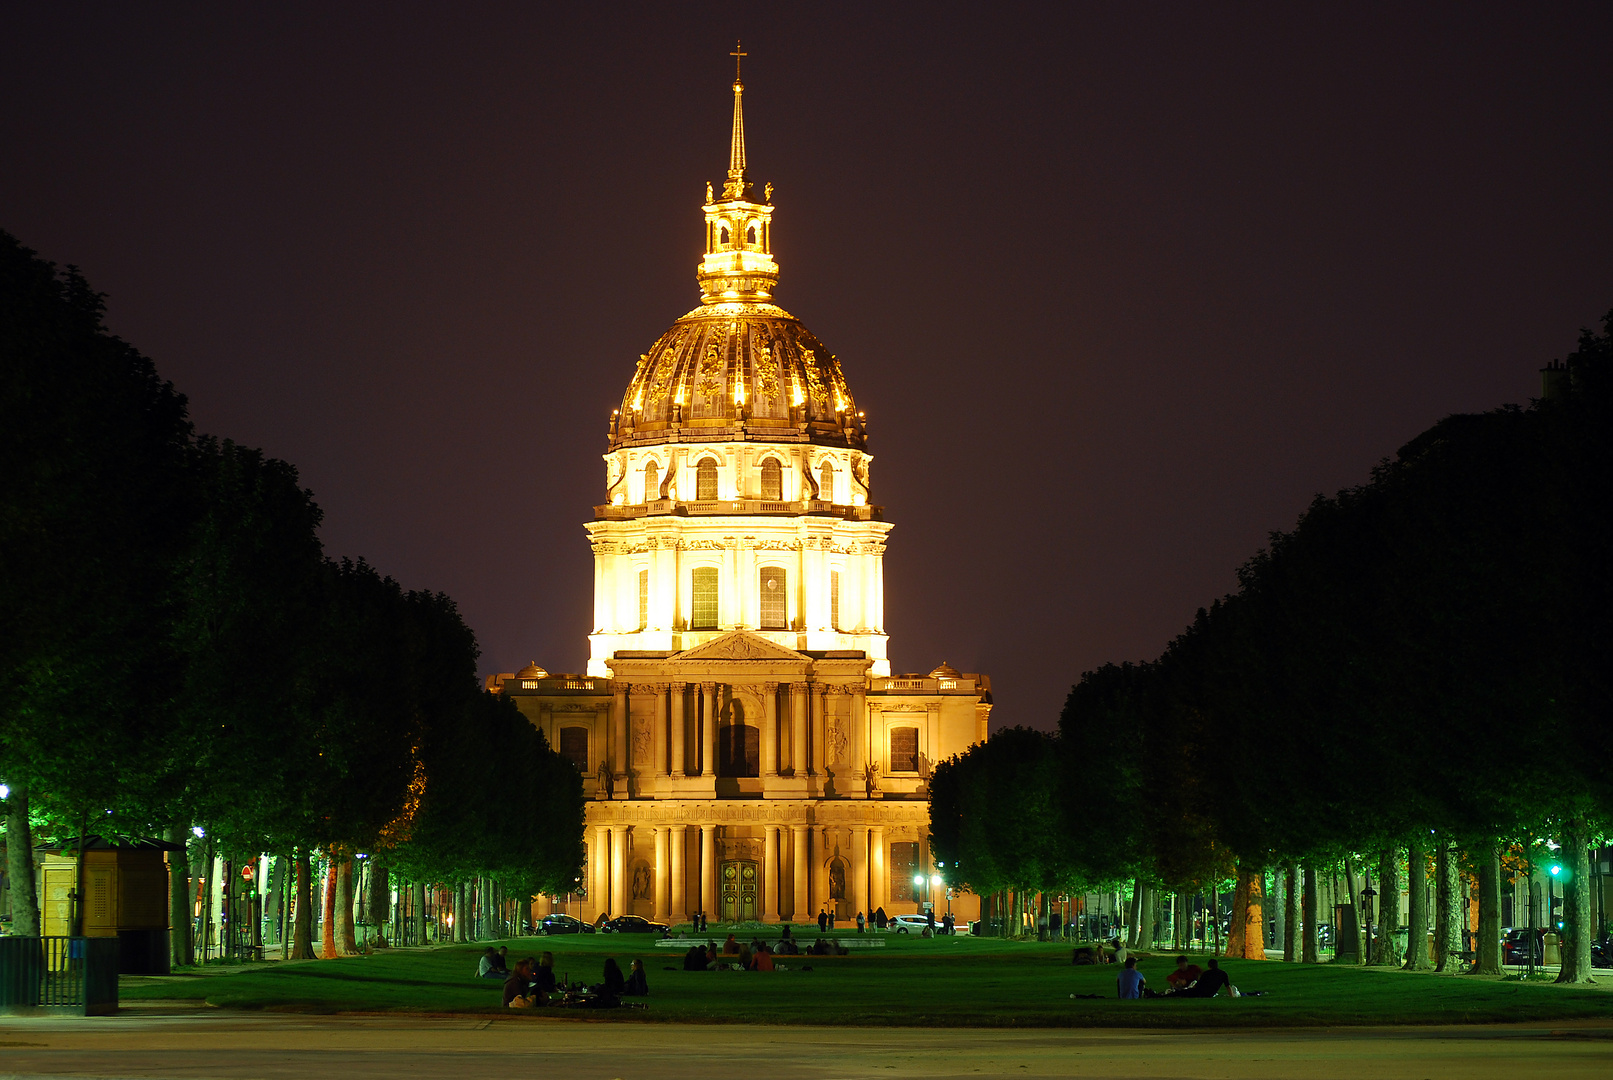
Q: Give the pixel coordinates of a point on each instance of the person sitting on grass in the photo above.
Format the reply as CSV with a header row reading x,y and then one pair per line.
x,y
695,958
1120,952
637,984
731,946
744,958
614,982
1130,982
502,960
489,966
543,973
1209,984
760,958
1185,975
518,991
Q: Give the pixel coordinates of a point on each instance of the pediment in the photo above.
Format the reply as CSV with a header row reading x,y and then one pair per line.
x,y
738,645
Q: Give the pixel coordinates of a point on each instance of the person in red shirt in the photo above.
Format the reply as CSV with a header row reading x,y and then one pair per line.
x,y
1185,975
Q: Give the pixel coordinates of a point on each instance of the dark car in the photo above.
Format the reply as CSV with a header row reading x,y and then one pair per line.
x,y
634,924
1522,946
563,924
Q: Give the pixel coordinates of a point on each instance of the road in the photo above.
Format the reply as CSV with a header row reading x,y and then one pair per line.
x,y
236,1046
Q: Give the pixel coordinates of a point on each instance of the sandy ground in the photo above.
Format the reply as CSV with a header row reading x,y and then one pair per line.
x,y
152,1043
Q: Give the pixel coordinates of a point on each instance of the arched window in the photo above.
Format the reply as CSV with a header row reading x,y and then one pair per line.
x,y
705,480
750,235
703,599
723,236
643,599
652,482
739,751
772,479
826,483
774,611
904,749
574,747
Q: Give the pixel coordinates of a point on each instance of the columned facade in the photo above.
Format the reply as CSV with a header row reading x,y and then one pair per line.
x,y
746,750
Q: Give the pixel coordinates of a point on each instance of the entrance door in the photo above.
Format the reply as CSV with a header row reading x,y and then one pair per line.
x,y
738,892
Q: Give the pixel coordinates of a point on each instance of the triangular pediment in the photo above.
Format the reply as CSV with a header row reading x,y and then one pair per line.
x,y
739,645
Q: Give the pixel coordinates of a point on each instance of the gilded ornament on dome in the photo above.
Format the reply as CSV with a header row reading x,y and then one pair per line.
x,y
766,367
814,378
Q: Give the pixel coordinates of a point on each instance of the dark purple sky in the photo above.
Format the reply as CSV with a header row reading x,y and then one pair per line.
x,y
1120,287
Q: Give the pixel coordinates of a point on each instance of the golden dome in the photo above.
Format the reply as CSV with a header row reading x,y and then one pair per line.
x,y
750,368
738,367
532,671
945,671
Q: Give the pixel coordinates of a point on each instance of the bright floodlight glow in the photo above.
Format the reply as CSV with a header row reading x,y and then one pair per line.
x,y
196,831
918,879
5,792
935,879
1555,870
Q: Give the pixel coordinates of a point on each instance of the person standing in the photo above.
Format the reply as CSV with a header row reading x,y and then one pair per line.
x,y
861,923
823,920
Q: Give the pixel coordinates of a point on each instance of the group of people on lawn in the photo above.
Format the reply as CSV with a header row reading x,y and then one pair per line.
x,y
532,982
1187,981
735,955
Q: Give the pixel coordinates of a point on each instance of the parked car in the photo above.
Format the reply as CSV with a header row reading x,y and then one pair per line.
x,y
634,924
563,924
910,924
1520,945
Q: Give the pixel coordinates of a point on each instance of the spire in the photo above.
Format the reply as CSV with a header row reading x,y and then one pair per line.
x,y
735,187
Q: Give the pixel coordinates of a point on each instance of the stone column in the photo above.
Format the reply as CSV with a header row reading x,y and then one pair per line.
x,y
819,711
708,871
708,729
859,741
677,843
678,738
618,760
821,854
770,882
663,904
619,898
801,911
798,719
659,735
859,869
599,869
770,738
879,880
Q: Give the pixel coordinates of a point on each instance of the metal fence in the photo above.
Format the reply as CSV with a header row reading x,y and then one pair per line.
x,y
79,973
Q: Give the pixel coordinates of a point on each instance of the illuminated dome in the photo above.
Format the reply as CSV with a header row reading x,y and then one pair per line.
x,y
945,671
532,671
738,367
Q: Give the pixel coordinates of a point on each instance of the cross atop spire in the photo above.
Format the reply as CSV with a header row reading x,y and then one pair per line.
x,y
735,187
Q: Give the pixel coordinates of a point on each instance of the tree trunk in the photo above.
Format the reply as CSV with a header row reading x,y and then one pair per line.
x,y
1417,908
1290,914
327,924
1489,946
1577,926
302,930
346,939
1134,914
1308,906
1254,915
179,944
1448,896
1215,915
1043,918
1385,949
380,898
1238,931
418,902
20,864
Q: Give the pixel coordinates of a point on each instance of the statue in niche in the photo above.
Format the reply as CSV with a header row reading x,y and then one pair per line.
x,y
607,784
836,741
871,778
641,741
641,882
837,879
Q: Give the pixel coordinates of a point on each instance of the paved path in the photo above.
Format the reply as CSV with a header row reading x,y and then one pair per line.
x,y
253,1046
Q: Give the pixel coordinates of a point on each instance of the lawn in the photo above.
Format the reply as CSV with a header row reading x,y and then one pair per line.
x,y
958,981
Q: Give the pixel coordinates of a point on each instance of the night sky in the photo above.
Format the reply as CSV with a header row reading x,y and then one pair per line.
x,y
1120,287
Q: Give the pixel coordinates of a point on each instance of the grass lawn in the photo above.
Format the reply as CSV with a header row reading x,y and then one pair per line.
x,y
957,982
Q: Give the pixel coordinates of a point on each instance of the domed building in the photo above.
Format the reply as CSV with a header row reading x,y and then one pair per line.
x,y
745,749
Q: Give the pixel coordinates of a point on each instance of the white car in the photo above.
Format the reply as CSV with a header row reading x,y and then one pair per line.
x,y
910,924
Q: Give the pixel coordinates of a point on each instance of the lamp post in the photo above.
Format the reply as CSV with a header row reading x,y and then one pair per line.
x,y
1368,894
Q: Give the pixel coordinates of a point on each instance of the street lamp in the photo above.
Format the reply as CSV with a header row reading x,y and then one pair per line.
x,y
1368,894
